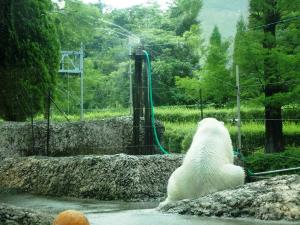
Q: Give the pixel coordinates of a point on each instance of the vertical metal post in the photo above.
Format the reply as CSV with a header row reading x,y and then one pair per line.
x,y
48,122
81,82
68,94
201,104
32,130
238,103
130,80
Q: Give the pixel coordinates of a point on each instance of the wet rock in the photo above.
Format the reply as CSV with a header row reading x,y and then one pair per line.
x,y
11,215
277,198
106,177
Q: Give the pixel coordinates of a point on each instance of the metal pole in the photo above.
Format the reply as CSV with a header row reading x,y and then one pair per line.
x,y
68,95
277,171
238,103
48,122
130,80
81,82
201,104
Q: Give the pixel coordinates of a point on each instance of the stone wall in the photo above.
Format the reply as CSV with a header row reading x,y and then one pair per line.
x,y
11,215
107,177
109,136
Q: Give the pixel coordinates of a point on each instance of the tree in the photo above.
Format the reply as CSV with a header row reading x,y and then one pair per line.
x,y
247,55
184,13
29,57
279,62
268,52
218,86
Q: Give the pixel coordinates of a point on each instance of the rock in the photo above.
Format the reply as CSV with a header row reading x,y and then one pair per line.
x,y
277,198
107,136
11,215
107,177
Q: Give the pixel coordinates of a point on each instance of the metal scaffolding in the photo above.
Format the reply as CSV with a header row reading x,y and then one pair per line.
x,y
71,63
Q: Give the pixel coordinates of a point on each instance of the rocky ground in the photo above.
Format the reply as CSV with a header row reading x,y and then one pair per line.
x,y
277,198
108,177
10,215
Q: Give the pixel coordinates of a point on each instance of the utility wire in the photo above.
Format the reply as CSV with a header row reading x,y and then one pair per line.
x,y
280,21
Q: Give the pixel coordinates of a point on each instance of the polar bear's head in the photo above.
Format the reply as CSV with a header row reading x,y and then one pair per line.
x,y
210,121
212,125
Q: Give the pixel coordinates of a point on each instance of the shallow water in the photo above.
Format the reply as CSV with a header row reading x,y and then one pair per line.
x,y
121,213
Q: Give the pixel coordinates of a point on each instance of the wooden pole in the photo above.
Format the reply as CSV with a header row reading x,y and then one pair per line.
x,y
137,106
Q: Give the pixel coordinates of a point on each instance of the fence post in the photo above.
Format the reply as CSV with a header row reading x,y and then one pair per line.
x,y
238,103
201,103
48,122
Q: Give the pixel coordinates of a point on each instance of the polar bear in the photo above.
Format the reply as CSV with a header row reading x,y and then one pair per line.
x,y
207,166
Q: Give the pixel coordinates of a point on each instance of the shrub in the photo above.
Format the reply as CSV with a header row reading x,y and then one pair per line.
x,y
259,161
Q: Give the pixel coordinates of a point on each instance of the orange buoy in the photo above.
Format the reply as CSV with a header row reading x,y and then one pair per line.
x,y
71,217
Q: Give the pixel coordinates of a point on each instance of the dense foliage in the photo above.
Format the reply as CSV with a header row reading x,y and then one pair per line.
x,y
29,57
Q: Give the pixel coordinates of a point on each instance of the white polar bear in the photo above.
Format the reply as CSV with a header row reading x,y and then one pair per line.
x,y
208,164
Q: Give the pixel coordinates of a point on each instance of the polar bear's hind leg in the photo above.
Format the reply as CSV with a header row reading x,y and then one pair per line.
x,y
232,175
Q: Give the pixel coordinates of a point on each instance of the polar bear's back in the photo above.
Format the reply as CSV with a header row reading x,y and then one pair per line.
x,y
211,145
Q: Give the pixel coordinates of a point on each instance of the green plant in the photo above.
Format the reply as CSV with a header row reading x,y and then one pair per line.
x,y
179,135
259,161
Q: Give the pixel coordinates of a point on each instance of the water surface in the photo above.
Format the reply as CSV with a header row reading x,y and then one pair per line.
x,y
122,213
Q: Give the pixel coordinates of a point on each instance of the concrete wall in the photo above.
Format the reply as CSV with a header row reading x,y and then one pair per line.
x,y
109,136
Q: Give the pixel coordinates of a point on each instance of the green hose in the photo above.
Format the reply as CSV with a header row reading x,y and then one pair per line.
x,y
161,148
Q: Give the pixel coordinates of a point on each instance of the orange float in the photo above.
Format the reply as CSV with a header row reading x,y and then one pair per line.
x,y
71,217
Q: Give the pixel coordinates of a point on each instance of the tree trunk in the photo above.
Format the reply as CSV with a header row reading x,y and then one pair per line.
x,y
273,117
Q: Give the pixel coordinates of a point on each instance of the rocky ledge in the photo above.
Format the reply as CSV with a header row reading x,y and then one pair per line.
x,y
107,177
11,215
277,198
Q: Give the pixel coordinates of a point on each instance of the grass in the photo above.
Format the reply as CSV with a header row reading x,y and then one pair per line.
x,y
95,115
181,114
178,136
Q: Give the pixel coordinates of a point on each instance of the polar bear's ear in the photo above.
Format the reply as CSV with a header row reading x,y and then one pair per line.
x,y
222,122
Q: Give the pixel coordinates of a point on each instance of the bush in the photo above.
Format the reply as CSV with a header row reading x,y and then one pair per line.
x,y
259,161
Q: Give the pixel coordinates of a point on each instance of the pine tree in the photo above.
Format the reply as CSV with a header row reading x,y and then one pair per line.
x,y
247,55
216,80
29,57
